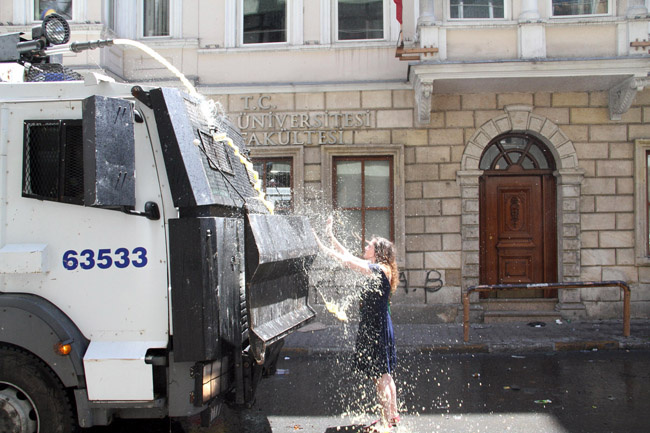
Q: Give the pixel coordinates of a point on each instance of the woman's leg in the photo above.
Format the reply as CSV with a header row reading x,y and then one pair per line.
x,y
393,399
387,397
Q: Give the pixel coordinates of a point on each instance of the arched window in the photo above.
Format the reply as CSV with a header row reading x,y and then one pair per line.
x,y
516,152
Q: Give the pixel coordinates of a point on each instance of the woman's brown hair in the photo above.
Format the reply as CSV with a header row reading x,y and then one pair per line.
x,y
385,254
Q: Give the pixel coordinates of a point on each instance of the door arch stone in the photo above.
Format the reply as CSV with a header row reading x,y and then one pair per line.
x,y
520,118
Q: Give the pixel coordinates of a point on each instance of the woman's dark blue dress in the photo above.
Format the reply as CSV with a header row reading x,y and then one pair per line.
x,y
375,352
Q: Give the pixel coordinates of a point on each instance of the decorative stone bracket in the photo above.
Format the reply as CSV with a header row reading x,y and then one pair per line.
x,y
423,92
622,95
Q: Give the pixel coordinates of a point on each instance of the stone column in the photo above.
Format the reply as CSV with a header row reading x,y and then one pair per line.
x,y
427,16
469,192
570,303
531,32
636,8
429,34
529,11
637,27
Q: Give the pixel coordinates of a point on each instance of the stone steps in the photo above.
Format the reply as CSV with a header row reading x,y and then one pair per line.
x,y
520,316
518,304
519,310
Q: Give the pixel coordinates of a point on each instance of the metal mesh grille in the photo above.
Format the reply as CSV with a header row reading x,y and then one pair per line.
x,y
251,176
41,172
53,160
73,169
51,72
194,113
217,154
227,177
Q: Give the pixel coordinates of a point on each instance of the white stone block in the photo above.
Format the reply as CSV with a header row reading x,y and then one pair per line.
x,y
442,260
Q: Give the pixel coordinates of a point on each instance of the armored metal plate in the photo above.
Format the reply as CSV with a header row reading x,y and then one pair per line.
x,y
109,152
202,171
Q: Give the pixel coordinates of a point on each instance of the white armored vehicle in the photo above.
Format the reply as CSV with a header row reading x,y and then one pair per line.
x,y
141,273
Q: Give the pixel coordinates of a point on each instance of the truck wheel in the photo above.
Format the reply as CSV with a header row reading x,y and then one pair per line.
x,y
32,399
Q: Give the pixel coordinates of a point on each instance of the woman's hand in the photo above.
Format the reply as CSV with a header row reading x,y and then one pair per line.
x,y
329,225
344,256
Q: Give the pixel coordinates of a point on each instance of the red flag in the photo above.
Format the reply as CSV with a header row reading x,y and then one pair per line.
x,y
398,6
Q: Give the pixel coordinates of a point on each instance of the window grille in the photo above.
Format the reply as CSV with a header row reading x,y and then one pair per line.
x,y
53,160
216,152
42,72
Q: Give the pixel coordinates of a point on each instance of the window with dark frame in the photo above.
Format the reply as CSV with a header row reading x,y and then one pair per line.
x,y
53,160
156,18
44,7
579,7
363,199
473,9
265,21
360,19
276,175
110,14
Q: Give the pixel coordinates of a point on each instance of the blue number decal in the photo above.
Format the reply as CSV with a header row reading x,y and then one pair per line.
x,y
90,259
142,255
70,261
124,256
104,260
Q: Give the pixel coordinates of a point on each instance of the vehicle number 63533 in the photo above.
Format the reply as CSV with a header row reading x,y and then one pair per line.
x,y
105,258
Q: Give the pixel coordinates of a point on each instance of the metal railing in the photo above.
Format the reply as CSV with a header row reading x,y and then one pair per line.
x,y
544,286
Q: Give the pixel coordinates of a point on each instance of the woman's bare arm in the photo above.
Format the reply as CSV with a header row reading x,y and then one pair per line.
x,y
330,232
349,260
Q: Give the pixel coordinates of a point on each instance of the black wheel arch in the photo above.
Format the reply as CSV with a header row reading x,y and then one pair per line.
x,y
36,325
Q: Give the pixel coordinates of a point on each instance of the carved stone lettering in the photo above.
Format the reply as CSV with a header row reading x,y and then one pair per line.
x,y
262,127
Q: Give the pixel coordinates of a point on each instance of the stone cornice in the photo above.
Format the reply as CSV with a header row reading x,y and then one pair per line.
x,y
537,68
622,76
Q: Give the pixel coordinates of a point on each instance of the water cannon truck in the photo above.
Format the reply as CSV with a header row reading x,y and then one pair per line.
x,y
142,272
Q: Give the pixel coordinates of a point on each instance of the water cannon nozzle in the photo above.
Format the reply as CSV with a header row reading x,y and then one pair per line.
x,y
78,47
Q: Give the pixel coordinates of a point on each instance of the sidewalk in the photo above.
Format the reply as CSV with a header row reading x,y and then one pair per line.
x,y
317,338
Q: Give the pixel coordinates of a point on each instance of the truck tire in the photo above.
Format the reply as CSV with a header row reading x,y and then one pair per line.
x,y
32,399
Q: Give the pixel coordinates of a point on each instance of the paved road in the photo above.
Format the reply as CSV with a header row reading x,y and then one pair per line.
x,y
594,392
559,392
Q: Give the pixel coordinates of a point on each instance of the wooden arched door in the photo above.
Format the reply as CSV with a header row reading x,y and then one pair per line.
x,y
518,224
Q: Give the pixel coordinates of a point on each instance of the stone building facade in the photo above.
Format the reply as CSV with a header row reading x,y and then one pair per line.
x,y
434,98
437,177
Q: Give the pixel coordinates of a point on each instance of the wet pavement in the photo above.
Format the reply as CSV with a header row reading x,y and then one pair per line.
x,y
551,336
601,391
553,392
515,377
